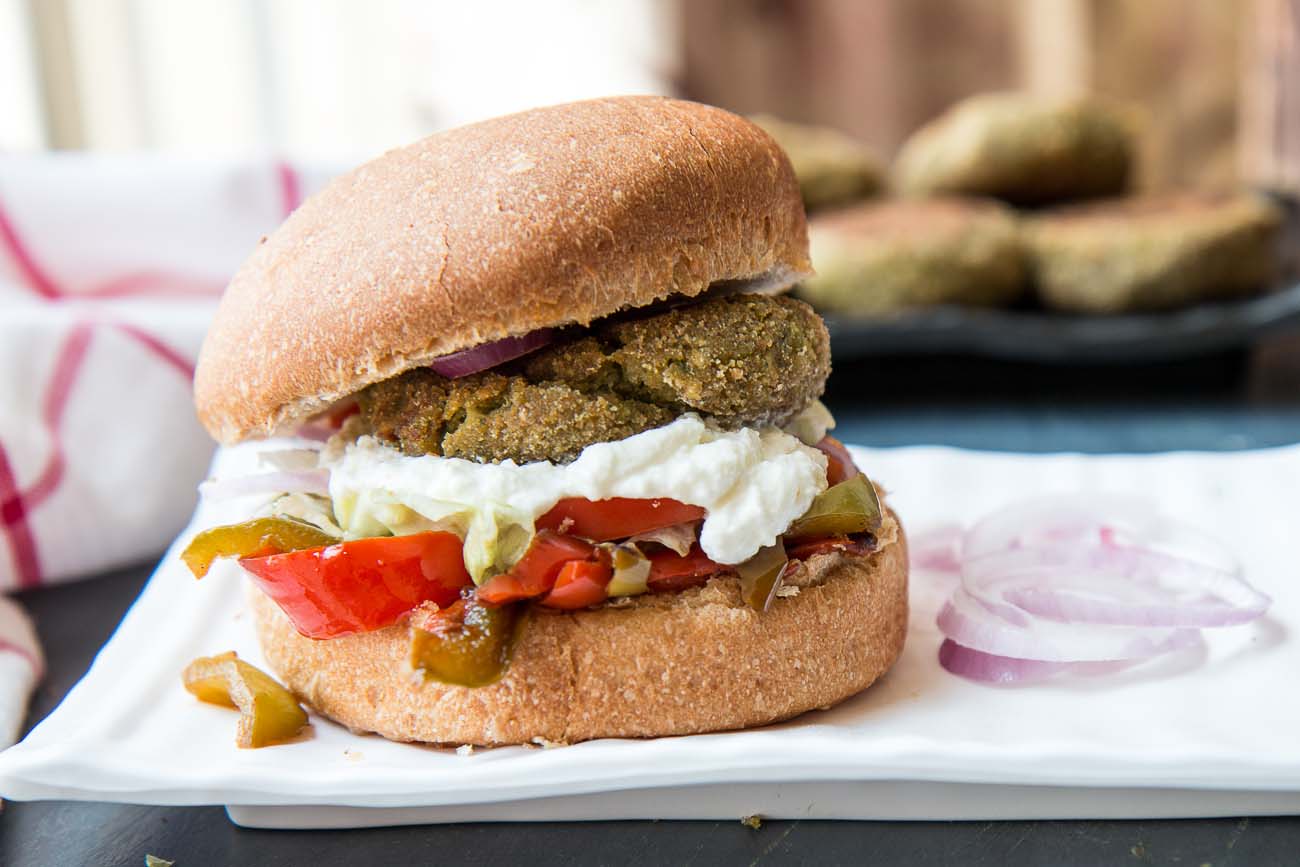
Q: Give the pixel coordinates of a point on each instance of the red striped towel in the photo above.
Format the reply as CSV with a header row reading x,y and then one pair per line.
x,y
110,267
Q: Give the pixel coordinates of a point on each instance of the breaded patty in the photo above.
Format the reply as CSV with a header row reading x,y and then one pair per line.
x,y
1153,253
1020,148
832,167
877,258
739,360
492,417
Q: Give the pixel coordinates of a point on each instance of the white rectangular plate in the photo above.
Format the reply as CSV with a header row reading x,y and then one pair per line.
x,y
1209,732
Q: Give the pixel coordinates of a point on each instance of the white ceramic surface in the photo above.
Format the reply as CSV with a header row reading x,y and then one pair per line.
x,y
1212,731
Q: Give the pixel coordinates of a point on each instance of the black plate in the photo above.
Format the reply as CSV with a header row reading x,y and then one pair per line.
x,y
1034,335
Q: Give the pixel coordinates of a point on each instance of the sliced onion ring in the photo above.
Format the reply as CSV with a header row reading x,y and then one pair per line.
x,y
315,430
1083,584
325,424
1067,607
1004,630
1131,587
1055,520
989,668
489,355
1110,562
314,481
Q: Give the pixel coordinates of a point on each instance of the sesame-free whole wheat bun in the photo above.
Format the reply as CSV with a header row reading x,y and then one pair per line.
x,y
549,217
665,664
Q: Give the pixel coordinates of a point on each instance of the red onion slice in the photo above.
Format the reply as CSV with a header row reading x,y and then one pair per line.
x,y
315,431
1066,607
324,425
1116,586
1084,584
1071,562
989,668
1183,595
1004,630
1054,521
488,355
314,481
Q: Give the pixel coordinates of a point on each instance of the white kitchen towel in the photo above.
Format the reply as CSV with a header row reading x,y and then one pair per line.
x,y
21,666
110,268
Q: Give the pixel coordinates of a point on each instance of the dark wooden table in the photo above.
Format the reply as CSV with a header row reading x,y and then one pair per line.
x,y
1229,402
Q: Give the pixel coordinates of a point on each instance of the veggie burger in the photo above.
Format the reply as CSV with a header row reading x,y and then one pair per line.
x,y
546,460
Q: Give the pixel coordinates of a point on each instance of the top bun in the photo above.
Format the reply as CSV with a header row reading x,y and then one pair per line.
x,y
549,217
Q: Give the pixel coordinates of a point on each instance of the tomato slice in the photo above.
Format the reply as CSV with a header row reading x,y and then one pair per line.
x,y
581,583
670,571
536,571
361,585
839,465
617,517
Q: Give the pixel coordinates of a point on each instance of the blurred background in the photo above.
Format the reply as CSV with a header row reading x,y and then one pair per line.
x,y
339,80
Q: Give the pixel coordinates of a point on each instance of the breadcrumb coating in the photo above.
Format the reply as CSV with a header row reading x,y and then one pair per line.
x,y
740,360
1156,252
1021,148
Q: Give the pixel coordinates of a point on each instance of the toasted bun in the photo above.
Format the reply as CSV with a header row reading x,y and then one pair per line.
x,y
681,663
553,216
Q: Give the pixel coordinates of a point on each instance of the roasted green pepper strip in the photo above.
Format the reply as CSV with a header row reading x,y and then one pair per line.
x,y
268,713
841,510
760,576
256,538
466,644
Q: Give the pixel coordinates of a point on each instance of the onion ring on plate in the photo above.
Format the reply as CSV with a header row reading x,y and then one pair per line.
x,y
988,668
1106,560
1126,587
1082,583
1054,520
1004,630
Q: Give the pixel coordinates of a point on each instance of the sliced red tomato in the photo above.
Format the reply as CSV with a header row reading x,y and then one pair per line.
x,y
617,517
361,585
581,583
839,465
536,571
670,571
850,544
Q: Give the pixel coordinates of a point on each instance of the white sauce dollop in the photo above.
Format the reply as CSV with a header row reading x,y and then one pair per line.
x,y
752,484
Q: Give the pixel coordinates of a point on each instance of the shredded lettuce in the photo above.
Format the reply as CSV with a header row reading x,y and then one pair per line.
x,y
495,536
311,508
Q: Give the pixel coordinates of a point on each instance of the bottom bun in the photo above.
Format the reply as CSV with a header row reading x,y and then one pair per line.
x,y
667,664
